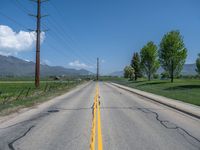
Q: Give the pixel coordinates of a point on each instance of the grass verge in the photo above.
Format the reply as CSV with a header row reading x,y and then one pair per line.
x,y
16,95
186,90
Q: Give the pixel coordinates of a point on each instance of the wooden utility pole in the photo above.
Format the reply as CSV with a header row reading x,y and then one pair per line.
x,y
37,63
97,69
38,32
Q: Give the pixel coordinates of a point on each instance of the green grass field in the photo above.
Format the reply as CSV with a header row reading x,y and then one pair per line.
x,y
186,90
19,94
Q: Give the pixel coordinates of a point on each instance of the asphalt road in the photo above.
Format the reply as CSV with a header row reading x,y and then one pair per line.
x,y
128,121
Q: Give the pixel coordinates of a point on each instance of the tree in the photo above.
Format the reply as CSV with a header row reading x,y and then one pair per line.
x,y
135,63
172,53
164,75
149,59
198,64
128,72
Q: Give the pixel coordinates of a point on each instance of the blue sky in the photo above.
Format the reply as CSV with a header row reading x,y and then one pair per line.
x,y
80,31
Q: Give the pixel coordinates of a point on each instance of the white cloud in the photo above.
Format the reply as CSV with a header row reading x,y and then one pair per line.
x,y
45,62
12,42
78,64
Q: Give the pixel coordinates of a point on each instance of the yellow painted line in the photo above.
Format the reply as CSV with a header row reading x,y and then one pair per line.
x,y
93,130
100,143
96,118
92,146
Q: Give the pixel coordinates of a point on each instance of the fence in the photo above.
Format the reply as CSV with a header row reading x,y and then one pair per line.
x,y
12,94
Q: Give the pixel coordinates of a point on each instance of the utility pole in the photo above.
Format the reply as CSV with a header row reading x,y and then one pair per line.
x,y
37,63
38,32
97,69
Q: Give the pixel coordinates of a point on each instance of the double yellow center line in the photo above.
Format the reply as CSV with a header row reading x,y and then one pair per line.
x,y
96,119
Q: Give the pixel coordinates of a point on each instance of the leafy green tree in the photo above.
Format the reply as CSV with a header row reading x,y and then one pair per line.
x,y
135,63
149,59
172,53
164,75
198,64
128,72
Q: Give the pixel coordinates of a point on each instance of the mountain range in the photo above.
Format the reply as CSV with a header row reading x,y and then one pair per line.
x,y
188,69
13,66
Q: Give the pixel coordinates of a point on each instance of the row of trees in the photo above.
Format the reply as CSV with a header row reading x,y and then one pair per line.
x,y
171,55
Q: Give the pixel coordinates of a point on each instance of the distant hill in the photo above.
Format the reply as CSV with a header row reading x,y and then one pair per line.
x,y
188,69
13,66
117,73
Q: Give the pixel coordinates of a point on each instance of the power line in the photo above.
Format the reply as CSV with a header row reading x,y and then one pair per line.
x,y
24,9
60,31
56,37
53,47
61,38
55,24
61,35
14,21
61,15
63,29
21,6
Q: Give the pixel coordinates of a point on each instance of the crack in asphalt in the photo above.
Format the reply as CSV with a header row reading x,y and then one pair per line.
x,y
10,145
78,108
179,129
29,120
53,111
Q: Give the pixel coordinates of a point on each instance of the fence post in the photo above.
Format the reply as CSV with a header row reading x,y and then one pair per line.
x,y
20,94
28,91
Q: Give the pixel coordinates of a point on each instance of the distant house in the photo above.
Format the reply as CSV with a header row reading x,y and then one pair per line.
x,y
56,78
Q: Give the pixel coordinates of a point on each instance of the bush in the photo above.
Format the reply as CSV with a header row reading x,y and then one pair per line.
x,y
155,76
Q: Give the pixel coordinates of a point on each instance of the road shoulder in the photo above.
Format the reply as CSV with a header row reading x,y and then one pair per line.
x,y
190,109
26,113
